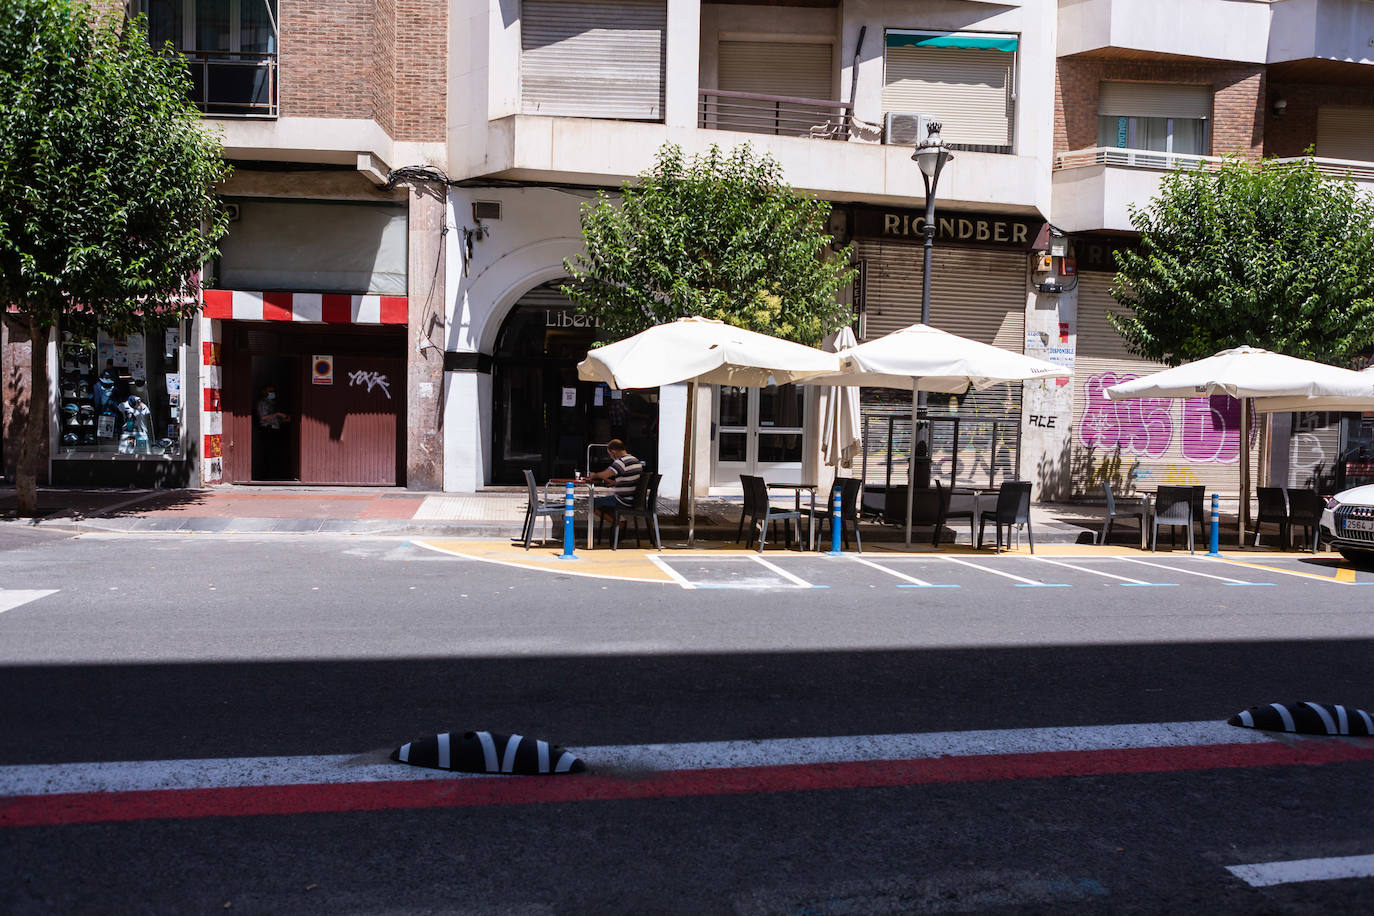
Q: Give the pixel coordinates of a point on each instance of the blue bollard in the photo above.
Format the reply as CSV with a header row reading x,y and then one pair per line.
x,y
835,522
1214,544
568,539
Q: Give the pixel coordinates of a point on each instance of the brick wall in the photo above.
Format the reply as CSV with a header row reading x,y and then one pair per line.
x,y
1238,103
1291,133
421,69
327,66
381,59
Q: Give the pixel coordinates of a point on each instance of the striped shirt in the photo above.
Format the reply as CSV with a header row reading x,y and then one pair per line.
x,y
626,470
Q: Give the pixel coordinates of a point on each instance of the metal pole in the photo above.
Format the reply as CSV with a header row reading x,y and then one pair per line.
x,y
568,540
911,460
695,395
919,397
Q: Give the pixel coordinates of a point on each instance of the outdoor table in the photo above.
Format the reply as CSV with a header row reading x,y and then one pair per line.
x,y
590,501
796,489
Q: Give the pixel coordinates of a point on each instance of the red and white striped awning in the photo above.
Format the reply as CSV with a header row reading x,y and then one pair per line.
x,y
329,308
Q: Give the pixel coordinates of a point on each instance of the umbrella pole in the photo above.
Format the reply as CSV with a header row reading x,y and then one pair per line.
x,y
911,458
695,395
1244,509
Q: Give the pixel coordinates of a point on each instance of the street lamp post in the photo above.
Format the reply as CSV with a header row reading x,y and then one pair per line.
x,y
930,156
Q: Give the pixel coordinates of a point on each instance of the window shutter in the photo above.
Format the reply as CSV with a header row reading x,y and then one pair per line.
x,y
969,91
592,59
1345,133
796,69
1154,100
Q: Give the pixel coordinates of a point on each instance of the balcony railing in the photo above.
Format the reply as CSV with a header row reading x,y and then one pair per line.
x,y
1152,159
780,115
238,84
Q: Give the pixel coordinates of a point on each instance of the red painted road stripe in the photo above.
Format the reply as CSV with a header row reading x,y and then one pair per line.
x,y
239,801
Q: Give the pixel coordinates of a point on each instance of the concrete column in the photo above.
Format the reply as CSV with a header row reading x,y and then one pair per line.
x,y
1047,406
682,75
425,338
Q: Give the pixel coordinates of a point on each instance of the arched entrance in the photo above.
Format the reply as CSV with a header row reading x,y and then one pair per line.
x,y
544,417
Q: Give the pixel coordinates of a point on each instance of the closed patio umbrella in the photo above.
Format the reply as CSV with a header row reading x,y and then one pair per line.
x,y
841,435
1248,372
922,358
700,350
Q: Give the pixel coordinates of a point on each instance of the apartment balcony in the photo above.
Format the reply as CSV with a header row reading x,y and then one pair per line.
x,y
1093,189
237,84
778,115
1319,39
609,152
1130,29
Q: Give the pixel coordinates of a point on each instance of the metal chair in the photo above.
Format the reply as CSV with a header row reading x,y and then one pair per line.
x,y
1136,511
643,505
537,508
964,508
1173,507
1273,508
1013,509
765,513
1305,508
849,488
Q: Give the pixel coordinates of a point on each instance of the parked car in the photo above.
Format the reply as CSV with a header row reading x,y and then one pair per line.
x,y
1349,520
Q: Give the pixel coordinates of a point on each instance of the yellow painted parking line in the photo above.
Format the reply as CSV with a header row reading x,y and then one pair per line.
x,y
625,565
1338,579
1345,574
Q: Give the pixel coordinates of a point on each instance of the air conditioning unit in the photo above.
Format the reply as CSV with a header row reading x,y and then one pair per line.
x,y
905,128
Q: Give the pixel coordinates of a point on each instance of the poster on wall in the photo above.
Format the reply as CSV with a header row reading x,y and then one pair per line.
x,y
173,389
322,370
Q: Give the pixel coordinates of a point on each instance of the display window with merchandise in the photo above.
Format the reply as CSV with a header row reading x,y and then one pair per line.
x,y
119,396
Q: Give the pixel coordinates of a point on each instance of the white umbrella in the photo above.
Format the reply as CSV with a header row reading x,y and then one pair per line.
x,y
922,358
702,350
1248,372
1284,405
841,436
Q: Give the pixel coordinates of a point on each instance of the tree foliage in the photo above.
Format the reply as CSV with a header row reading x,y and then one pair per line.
x,y
106,175
718,235
1271,254
107,180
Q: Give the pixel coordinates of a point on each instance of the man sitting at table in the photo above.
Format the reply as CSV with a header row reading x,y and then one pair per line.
x,y
624,471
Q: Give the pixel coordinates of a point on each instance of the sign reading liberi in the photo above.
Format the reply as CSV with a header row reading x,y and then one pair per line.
x,y
990,229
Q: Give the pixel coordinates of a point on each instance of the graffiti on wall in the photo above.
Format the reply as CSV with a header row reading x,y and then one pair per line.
x,y
1205,429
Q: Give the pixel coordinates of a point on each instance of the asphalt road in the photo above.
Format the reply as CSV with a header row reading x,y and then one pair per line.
x,y
167,648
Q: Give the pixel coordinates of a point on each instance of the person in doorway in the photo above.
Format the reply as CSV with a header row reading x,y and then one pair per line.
x,y
272,459
623,474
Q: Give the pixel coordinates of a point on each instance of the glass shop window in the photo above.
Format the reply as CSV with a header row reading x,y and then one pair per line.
x,y
119,396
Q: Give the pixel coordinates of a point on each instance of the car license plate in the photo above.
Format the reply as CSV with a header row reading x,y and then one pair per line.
x,y
1359,524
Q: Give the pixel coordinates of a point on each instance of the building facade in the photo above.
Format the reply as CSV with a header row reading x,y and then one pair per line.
x,y
409,175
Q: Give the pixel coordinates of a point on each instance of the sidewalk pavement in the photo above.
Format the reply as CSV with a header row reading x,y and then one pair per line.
x,y
390,511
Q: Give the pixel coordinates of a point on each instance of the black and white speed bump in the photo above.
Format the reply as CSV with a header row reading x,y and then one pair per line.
x,y
484,752
1306,719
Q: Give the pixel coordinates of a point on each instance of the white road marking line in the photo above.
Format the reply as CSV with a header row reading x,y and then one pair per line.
x,y
1191,572
1097,572
997,572
670,572
800,583
1267,874
144,775
11,598
918,583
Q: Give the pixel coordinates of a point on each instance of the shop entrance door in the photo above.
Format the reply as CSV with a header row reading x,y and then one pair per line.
x,y
759,432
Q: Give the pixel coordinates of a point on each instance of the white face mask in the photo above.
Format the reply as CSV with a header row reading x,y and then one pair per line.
x,y
271,395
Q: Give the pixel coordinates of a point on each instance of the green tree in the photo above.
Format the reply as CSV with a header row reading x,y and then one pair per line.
x,y
1271,254
107,178
719,236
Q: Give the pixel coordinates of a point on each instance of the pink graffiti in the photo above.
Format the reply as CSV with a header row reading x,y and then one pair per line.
x,y
1139,427
1211,429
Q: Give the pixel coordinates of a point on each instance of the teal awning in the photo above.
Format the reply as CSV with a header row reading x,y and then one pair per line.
x,y
953,40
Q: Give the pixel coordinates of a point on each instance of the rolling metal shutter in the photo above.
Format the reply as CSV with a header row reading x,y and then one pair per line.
x,y
968,91
1142,444
979,294
1314,449
799,69
1154,100
592,59
1345,133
